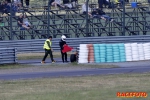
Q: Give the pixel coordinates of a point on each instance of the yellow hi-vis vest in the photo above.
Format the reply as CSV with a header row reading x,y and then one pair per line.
x,y
46,45
116,1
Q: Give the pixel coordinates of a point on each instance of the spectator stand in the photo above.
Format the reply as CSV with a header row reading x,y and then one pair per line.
x,y
2,24
136,19
73,23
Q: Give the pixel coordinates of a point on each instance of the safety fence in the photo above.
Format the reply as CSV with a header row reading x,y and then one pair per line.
x,y
8,56
101,49
36,45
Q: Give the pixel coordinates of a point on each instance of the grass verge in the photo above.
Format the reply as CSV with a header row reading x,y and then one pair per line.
x,y
28,56
25,56
79,65
12,66
57,66
102,87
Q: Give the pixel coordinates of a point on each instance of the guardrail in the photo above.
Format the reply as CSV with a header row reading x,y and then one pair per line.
x,y
24,46
8,56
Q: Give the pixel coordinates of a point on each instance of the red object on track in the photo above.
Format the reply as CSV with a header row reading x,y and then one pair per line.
x,y
66,48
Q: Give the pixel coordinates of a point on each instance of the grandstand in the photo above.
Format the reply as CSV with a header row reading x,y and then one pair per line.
x,y
46,20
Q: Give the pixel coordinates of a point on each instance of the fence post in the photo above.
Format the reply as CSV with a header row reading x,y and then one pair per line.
x,y
87,25
15,50
123,18
49,16
11,32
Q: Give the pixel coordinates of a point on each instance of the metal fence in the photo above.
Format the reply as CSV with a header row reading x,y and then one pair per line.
x,y
8,56
26,46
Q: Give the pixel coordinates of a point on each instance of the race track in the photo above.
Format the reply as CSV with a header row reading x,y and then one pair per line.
x,y
75,73
125,67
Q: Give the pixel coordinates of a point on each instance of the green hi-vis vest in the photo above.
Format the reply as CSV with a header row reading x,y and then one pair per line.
x,y
46,44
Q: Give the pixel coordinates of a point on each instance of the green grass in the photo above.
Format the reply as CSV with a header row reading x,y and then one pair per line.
x,y
77,88
80,65
57,66
12,66
25,56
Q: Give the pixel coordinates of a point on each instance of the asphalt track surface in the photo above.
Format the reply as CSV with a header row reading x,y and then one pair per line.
x,y
124,68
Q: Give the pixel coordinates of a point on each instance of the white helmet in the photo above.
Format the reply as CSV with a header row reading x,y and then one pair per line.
x,y
63,37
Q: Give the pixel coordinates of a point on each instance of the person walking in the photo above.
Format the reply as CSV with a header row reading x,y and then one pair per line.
x,y
48,49
62,42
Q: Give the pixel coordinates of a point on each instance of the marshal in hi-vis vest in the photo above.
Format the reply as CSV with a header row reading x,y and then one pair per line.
x,y
46,46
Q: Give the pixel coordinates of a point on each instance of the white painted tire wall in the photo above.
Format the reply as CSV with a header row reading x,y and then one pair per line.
x,y
128,51
83,53
146,47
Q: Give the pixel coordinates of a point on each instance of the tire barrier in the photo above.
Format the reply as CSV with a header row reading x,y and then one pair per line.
x,y
73,58
118,52
90,53
83,53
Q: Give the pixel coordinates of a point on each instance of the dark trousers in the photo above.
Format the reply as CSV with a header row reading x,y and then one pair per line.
x,y
46,54
84,13
5,11
9,1
106,17
100,3
27,2
22,2
64,56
